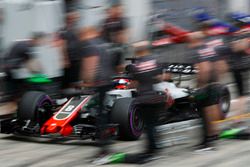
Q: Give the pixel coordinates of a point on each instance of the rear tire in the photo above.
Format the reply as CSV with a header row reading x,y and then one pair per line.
x,y
127,115
224,100
34,106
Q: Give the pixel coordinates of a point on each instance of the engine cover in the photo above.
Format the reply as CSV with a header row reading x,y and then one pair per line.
x,y
174,91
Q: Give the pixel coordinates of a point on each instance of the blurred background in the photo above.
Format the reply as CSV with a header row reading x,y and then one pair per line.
x,y
165,23
19,18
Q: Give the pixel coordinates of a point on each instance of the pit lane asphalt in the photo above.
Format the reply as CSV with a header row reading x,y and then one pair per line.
x,y
35,152
39,152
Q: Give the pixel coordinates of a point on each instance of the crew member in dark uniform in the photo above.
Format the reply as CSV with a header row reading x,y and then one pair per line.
x,y
146,72
237,53
71,49
97,70
115,32
205,58
19,56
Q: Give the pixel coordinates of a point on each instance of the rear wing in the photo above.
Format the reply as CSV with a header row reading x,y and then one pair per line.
x,y
179,68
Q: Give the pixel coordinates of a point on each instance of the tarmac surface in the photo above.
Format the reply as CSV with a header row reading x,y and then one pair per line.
x,y
30,152
17,151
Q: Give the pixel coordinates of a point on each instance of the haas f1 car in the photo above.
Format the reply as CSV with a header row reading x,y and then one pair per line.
x,y
39,115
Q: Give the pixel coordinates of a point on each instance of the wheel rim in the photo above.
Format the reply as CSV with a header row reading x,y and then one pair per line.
x,y
44,100
136,122
45,104
224,104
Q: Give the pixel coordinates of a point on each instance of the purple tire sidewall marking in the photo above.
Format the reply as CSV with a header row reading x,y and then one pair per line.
x,y
134,131
45,98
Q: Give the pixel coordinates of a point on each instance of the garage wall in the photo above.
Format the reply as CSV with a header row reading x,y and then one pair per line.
x,y
17,20
137,11
92,12
23,17
239,5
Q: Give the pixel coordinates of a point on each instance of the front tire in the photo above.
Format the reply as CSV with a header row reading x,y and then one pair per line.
x,y
34,106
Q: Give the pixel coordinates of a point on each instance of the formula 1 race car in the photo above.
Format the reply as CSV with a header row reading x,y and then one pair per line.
x,y
39,115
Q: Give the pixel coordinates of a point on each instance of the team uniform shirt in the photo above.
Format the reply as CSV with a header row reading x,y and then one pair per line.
x,y
111,27
72,43
71,73
145,70
18,54
208,51
105,69
215,43
236,60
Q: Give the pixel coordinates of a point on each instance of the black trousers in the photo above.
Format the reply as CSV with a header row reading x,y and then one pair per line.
x,y
13,87
102,118
71,74
149,115
240,83
151,103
